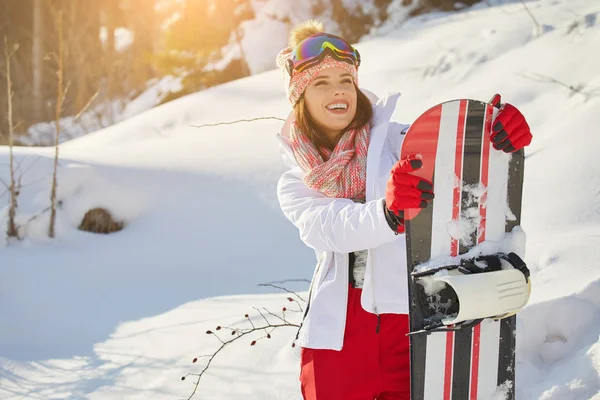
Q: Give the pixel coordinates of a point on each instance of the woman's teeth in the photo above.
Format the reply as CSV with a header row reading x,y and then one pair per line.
x,y
337,106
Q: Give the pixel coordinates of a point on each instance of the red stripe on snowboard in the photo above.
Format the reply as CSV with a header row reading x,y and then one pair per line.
x,y
458,160
448,377
475,361
427,129
485,162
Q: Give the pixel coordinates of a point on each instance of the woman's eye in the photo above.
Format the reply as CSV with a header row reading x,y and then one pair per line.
x,y
347,81
320,83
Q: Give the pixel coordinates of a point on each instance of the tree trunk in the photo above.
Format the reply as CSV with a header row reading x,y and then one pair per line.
x,y
37,59
145,33
12,210
110,12
59,104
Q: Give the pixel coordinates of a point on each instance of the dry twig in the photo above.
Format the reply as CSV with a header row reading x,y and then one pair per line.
x,y
238,334
235,122
12,230
584,90
538,27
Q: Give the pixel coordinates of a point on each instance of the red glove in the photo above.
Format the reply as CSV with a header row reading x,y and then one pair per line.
x,y
510,131
405,191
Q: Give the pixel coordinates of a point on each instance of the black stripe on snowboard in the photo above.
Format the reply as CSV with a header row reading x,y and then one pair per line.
x,y
506,362
508,326
472,163
418,250
461,377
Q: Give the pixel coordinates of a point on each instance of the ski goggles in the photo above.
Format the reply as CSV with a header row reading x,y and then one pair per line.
x,y
313,50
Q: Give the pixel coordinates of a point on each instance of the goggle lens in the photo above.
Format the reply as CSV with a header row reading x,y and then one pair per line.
x,y
313,49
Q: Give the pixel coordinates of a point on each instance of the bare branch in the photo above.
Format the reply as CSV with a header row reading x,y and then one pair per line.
x,y
87,105
66,90
33,218
535,21
249,320
282,288
80,113
262,315
289,280
235,122
240,335
38,158
21,186
45,210
17,125
591,91
274,315
19,163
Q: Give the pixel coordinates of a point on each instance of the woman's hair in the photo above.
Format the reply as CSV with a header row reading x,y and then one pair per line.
x,y
364,112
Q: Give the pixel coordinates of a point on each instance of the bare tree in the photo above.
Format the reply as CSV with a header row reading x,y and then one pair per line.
x,y
12,227
37,58
111,7
59,103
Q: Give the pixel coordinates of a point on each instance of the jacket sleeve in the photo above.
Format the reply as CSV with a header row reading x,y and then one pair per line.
x,y
333,224
396,133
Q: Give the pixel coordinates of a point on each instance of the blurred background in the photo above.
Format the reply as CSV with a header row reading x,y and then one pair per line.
x,y
121,57
158,106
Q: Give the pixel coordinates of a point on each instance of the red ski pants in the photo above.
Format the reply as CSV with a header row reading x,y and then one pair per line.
x,y
370,366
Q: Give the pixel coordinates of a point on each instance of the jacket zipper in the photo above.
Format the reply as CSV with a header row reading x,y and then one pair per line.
x,y
310,289
346,261
375,310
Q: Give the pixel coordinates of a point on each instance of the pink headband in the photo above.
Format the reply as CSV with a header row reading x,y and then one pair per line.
x,y
299,81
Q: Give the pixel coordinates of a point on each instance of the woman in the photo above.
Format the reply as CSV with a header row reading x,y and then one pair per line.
x,y
345,192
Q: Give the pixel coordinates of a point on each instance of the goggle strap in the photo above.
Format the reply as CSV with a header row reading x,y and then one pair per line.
x,y
316,60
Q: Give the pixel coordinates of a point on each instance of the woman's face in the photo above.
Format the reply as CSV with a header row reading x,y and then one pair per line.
x,y
331,100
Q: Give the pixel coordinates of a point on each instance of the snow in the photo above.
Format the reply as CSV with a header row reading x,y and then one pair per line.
x,y
274,18
101,115
123,38
254,38
118,316
511,242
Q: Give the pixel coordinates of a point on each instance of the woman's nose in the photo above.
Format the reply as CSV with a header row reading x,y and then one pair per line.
x,y
339,90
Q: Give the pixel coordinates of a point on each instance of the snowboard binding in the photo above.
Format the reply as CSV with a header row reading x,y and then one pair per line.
x,y
485,287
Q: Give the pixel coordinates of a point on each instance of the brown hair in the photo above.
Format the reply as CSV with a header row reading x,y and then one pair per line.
x,y
364,112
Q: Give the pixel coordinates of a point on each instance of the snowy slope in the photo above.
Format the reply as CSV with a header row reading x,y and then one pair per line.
x,y
272,19
122,316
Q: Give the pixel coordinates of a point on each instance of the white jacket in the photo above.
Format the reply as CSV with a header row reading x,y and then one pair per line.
x,y
334,227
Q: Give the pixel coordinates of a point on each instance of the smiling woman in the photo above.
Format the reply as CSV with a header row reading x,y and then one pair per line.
x,y
331,104
353,336
349,350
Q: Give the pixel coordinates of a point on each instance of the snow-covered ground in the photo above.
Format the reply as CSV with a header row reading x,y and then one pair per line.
x,y
97,116
122,316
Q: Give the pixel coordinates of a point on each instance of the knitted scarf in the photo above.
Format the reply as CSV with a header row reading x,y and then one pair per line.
x,y
338,173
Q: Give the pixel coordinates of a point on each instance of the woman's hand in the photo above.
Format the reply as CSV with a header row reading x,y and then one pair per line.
x,y
510,131
405,191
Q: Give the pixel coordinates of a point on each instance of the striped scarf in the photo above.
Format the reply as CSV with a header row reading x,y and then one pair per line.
x,y
337,173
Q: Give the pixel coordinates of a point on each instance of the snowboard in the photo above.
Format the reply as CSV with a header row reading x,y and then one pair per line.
x,y
477,202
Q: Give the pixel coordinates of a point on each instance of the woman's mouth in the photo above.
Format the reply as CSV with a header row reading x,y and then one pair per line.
x,y
338,107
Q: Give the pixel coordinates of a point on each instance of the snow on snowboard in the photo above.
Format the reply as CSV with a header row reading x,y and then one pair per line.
x,y
466,275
